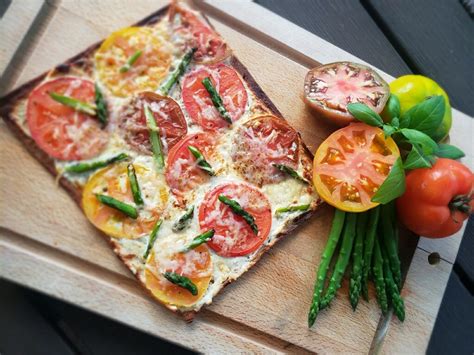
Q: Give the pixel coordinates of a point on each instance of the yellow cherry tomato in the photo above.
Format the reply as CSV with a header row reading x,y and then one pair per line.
x,y
195,264
413,89
113,181
147,71
351,164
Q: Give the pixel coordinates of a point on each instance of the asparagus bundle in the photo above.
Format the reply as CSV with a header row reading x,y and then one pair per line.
x,y
370,241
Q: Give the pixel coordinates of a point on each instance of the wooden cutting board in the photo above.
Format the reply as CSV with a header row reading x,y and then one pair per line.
x,y
47,244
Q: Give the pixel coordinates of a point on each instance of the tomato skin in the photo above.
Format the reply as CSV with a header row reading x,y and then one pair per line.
x,y
413,89
426,206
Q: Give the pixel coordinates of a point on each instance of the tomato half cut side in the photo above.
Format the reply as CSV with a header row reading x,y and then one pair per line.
x,y
196,265
146,73
113,181
211,48
262,142
330,88
168,117
351,164
197,100
62,132
233,236
182,173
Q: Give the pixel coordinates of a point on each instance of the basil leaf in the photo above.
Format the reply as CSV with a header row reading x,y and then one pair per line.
x,y
393,186
395,122
365,114
449,151
388,130
416,137
393,106
417,159
427,115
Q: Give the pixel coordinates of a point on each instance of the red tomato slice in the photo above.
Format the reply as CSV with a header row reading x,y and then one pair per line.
x,y
168,116
197,100
62,132
182,172
211,48
351,164
195,264
261,142
233,236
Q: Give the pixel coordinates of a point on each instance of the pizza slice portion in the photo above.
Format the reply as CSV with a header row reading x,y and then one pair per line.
x,y
173,151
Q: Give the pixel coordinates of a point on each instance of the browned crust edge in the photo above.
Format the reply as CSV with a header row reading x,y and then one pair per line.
x,y
9,101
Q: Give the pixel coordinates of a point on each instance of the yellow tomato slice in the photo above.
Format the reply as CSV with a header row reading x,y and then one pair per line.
x,y
113,181
147,71
351,164
195,264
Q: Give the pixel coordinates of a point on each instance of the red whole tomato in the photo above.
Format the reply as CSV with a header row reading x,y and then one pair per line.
x,y
438,199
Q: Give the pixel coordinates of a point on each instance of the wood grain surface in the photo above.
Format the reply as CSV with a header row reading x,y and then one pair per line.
x,y
47,244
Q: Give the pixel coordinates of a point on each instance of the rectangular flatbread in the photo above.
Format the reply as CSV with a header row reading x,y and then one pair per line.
x,y
172,150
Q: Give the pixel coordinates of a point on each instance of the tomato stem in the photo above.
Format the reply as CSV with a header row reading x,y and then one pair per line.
x,y
461,203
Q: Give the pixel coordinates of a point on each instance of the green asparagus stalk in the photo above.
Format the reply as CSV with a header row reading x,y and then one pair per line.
x,y
390,243
184,220
342,260
177,73
368,249
379,277
392,288
201,161
152,238
216,100
84,167
287,170
73,103
181,281
333,239
238,210
357,260
123,207
200,239
101,106
130,61
154,138
293,208
132,178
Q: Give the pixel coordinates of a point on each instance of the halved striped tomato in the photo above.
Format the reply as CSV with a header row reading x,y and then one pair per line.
x,y
113,181
351,164
148,70
195,264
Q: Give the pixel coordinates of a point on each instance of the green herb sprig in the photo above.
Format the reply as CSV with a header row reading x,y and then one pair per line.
x,y
416,127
